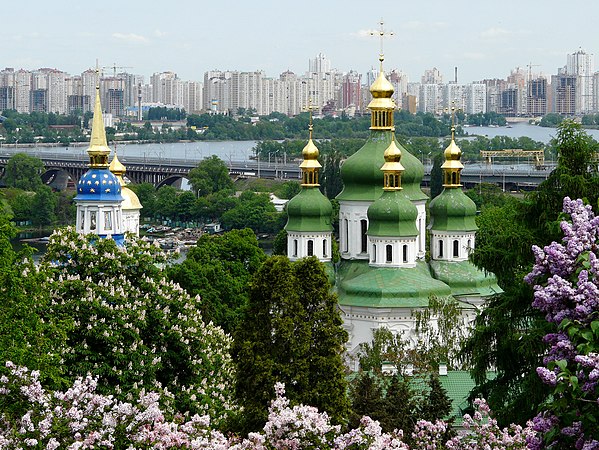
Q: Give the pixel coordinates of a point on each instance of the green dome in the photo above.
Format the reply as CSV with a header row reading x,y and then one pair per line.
x,y
309,210
381,287
392,214
452,210
362,176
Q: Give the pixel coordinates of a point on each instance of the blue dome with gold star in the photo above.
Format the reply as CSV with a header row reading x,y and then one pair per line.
x,y
99,185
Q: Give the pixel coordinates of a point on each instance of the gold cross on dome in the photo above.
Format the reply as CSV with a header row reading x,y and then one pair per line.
x,y
382,34
310,108
453,110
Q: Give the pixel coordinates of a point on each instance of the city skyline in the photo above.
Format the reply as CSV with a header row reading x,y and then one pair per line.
x,y
482,40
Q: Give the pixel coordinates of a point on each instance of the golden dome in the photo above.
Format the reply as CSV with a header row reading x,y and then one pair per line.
x,y
452,156
392,156
130,199
116,166
310,154
382,88
382,91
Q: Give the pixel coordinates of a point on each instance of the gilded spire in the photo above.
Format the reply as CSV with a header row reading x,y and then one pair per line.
x,y
98,150
381,105
452,167
392,169
310,164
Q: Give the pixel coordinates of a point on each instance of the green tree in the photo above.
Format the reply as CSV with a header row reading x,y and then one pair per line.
x,y
23,172
291,333
254,211
27,337
507,334
437,175
210,176
146,193
166,202
44,207
219,269
366,399
437,405
21,205
401,407
330,178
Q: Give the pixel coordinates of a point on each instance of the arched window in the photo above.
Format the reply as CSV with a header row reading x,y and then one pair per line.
x,y
405,253
346,232
456,248
324,248
419,232
295,247
310,247
469,245
364,229
389,253
373,253
440,252
454,178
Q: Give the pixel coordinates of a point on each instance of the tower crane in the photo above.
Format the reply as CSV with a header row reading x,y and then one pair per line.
x,y
530,65
114,67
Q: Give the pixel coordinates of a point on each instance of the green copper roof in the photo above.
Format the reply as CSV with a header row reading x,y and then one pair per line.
x,y
452,210
362,176
464,278
309,210
379,287
392,214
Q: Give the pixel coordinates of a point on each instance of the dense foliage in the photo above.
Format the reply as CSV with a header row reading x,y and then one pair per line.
x,y
219,269
566,279
79,417
291,333
129,325
508,332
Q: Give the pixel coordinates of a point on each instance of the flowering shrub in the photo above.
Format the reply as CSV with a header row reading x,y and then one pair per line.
x,y
132,328
566,278
81,418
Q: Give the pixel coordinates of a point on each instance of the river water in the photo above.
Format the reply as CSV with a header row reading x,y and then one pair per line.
x,y
230,151
542,134
191,151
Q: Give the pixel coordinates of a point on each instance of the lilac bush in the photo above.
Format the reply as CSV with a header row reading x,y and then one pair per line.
x,y
566,284
82,418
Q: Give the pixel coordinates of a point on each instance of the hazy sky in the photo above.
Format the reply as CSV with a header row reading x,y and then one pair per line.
x,y
484,38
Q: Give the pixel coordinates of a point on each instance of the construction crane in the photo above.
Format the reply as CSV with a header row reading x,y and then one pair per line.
x,y
530,65
114,67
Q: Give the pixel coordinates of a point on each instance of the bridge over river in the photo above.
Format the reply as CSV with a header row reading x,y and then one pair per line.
x,y
160,170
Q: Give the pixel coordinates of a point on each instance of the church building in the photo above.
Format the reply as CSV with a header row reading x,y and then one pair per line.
x,y
384,273
105,206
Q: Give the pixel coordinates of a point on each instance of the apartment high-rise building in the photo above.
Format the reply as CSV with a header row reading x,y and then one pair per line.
x,y
582,65
351,90
537,97
432,76
564,88
320,64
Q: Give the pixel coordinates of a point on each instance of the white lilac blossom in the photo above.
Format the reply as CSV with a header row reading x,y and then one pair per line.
x,y
566,290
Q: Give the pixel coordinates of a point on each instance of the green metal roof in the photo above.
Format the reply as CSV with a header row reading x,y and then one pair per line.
x,y
309,211
392,214
464,278
452,210
362,176
381,287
